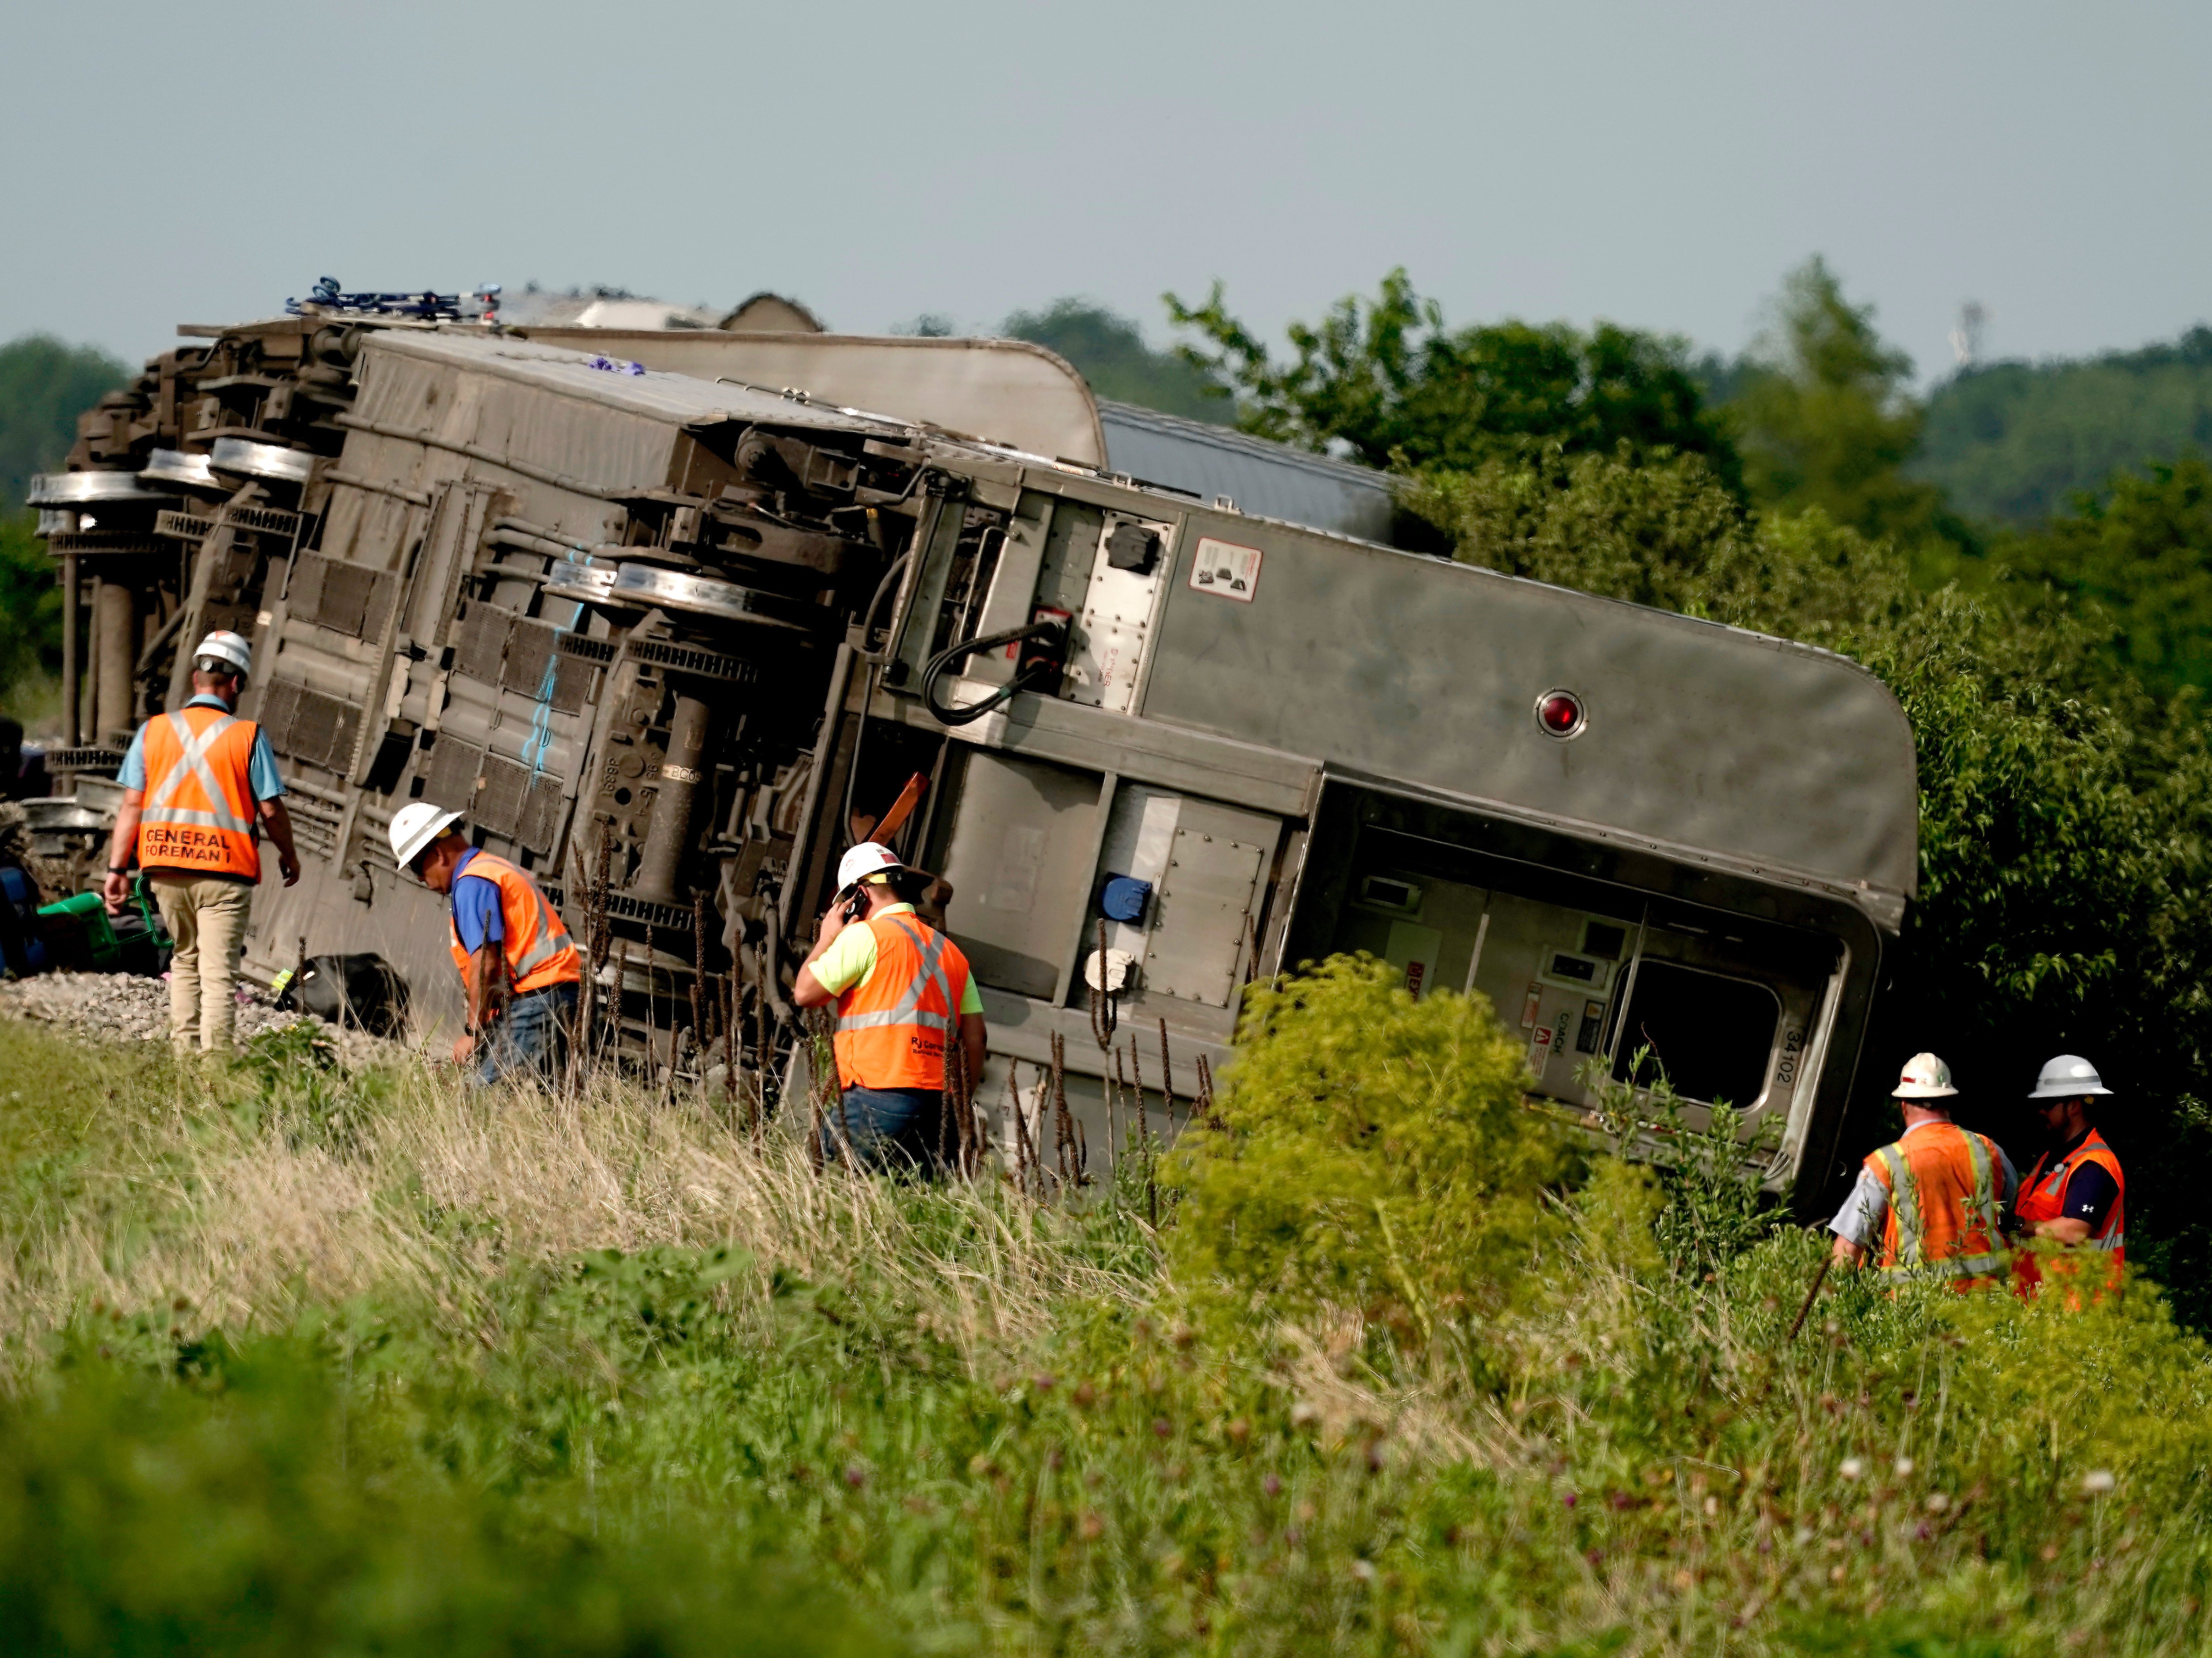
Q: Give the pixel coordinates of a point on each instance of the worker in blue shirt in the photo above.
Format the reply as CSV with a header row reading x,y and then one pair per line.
x,y
521,971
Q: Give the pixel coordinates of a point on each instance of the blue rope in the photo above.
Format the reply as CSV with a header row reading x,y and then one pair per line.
x,y
541,719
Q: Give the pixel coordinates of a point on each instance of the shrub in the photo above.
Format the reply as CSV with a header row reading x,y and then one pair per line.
x,y
550,1404
2058,1393
246,1513
1709,1206
1374,1154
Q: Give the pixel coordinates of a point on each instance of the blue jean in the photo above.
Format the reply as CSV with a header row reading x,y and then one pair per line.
x,y
892,1130
530,1042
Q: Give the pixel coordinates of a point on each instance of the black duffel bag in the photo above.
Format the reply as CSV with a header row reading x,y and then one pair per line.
x,y
361,993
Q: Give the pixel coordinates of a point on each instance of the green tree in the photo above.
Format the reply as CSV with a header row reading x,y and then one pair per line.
x,y
2143,555
1827,418
1665,532
1110,352
45,386
1649,532
1387,379
2018,441
30,606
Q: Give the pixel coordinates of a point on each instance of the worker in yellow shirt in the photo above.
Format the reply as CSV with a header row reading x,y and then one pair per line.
x,y
902,991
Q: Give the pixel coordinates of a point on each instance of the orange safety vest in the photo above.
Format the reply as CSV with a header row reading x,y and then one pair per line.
x,y
1943,1206
892,1026
539,951
199,814
2043,1197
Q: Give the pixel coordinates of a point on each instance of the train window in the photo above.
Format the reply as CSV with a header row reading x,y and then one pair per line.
x,y
1388,892
1603,940
1713,1034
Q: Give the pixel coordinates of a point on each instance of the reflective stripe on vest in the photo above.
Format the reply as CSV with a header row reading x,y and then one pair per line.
x,y
892,1028
198,809
929,976
538,948
1956,1256
2043,1198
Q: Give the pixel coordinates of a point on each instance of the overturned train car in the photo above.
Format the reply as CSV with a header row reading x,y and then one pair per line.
x,y
673,640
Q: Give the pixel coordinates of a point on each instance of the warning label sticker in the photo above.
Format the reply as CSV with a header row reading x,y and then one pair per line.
x,y
1226,569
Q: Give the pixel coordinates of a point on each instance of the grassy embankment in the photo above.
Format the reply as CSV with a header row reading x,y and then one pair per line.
x,y
295,1360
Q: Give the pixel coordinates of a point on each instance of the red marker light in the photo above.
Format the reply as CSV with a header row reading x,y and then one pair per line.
x,y
1559,713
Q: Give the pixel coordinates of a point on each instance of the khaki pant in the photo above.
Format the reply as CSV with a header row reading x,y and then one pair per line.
x,y
207,918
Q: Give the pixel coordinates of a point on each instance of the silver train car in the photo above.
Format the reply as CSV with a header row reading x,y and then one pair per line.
x,y
675,618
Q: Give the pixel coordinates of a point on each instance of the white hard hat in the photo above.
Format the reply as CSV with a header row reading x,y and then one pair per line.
x,y
867,858
2069,1077
1926,1077
227,646
414,825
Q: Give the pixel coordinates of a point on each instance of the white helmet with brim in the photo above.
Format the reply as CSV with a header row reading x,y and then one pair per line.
x,y
869,858
2069,1077
414,826
1925,1078
227,646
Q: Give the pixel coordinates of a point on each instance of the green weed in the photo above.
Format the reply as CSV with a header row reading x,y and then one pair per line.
x,y
423,1368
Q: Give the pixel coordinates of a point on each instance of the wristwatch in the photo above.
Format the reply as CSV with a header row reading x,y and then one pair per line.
x,y
118,869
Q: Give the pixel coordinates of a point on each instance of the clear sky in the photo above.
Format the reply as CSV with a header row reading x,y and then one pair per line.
x,y
1660,166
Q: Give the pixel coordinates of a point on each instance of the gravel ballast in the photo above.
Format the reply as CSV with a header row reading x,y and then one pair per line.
x,y
126,1007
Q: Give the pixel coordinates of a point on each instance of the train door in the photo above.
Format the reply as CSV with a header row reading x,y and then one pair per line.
x,y
1599,981
1548,967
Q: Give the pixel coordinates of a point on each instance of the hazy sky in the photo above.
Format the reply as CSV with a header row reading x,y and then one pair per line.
x,y
1659,165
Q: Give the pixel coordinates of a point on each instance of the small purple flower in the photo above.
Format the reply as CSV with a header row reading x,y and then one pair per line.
x,y
1572,1499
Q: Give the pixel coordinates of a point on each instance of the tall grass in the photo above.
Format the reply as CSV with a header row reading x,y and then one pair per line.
x,y
416,1344
259,1195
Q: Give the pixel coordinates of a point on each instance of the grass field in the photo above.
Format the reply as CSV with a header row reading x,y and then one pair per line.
x,y
295,1360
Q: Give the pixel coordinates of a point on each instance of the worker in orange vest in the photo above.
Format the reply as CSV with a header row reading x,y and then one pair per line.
x,y
199,785
902,991
2076,1196
521,973
1929,1204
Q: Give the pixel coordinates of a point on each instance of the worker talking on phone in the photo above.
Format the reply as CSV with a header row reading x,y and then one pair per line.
x,y
903,989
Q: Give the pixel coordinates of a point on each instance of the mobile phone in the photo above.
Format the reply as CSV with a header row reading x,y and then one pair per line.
x,y
853,903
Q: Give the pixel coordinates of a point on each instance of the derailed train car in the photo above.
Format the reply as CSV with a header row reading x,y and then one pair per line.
x,y
674,639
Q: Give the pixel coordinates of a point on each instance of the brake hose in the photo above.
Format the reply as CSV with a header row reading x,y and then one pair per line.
x,y
997,699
